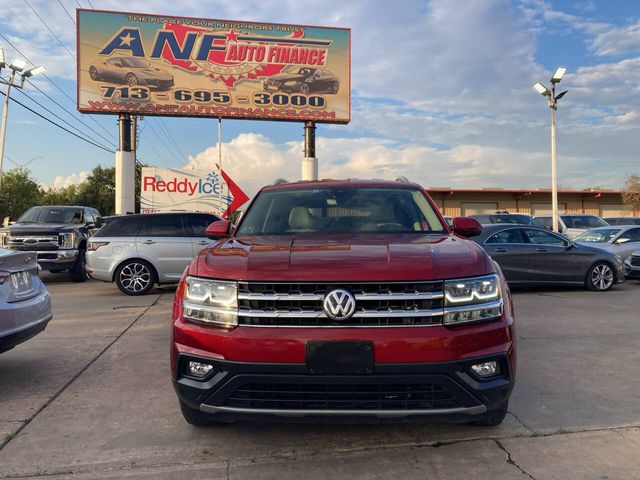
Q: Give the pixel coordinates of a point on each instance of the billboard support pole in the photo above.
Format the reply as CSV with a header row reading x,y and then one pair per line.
x,y
220,166
310,162
125,168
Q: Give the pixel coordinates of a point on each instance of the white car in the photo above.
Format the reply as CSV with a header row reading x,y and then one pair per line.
x,y
25,305
572,224
622,241
138,251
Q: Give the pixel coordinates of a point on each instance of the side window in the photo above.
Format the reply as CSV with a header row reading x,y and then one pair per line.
x,y
544,221
88,216
161,225
540,237
512,235
633,235
195,225
125,226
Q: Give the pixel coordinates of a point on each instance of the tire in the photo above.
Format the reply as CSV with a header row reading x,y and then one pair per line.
x,y
600,277
304,89
78,273
334,88
131,79
135,277
196,417
93,73
492,418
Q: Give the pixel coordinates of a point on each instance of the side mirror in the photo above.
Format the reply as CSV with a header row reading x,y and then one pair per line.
x,y
99,222
622,240
466,226
218,229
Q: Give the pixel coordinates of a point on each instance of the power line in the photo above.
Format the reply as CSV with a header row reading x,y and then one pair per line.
x,y
59,88
170,137
58,125
66,11
49,28
155,132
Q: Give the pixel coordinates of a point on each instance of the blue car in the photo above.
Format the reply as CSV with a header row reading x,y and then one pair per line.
x,y
25,305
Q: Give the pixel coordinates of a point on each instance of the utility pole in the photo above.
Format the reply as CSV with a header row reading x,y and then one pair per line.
x,y
125,168
310,162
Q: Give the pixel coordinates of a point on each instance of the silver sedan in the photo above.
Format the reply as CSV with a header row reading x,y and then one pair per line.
x,y
622,240
25,305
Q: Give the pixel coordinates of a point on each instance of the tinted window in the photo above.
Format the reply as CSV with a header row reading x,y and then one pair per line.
x,y
513,235
88,216
633,235
583,221
162,226
195,225
52,215
544,221
340,210
540,237
125,226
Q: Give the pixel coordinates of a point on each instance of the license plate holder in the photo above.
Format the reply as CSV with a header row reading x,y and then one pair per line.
x,y
339,357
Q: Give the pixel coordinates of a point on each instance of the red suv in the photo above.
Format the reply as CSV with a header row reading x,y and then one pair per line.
x,y
343,298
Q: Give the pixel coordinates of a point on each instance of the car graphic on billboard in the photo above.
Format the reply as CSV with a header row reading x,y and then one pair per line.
x,y
131,71
303,80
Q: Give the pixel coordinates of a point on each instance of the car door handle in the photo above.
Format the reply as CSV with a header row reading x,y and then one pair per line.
x,y
148,242
204,242
501,250
541,250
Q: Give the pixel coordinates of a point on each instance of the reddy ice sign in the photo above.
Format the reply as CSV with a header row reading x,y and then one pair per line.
x,y
158,65
168,189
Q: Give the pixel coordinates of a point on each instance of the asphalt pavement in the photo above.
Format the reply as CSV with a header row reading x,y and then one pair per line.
x,y
91,397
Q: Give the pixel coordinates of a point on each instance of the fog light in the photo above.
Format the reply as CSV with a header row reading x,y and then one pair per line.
x,y
486,369
198,369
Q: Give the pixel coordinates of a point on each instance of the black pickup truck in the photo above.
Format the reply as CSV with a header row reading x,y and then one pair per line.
x,y
56,235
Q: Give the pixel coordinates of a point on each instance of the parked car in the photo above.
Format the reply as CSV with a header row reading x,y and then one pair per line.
x,y
25,305
343,298
622,241
622,220
303,80
131,71
572,224
55,235
138,251
519,218
632,265
531,256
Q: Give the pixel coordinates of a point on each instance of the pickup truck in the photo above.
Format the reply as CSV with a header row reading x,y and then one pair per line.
x,y
57,235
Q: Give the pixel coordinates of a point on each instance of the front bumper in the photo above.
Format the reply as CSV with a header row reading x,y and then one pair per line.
x,y
54,259
19,321
449,389
631,271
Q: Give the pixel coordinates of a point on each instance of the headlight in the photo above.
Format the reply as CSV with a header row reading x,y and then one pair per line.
x,y
210,301
291,82
68,240
472,300
3,239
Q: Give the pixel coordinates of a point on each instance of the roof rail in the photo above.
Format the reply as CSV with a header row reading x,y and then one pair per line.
x,y
280,181
402,179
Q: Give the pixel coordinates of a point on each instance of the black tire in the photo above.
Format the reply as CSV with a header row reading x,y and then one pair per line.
x,y
334,88
492,418
196,417
600,277
131,79
304,89
93,73
135,277
78,273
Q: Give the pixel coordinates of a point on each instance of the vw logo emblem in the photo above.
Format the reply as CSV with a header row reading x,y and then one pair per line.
x,y
339,304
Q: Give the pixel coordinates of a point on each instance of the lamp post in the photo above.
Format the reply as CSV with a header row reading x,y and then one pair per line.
x,y
16,66
552,99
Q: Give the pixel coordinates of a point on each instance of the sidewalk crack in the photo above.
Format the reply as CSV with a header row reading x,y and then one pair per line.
x,y
510,460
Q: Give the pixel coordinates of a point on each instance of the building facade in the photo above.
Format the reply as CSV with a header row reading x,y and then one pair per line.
x,y
460,202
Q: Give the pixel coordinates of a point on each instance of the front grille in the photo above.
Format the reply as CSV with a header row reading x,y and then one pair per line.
x,y
635,260
33,242
403,396
377,304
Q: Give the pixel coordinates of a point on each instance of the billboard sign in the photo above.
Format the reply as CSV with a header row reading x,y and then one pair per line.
x,y
169,190
161,65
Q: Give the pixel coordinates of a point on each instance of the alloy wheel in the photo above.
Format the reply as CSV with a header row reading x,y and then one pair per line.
x,y
131,79
135,277
602,277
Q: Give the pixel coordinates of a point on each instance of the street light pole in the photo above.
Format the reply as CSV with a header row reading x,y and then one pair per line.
x,y
5,113
553,105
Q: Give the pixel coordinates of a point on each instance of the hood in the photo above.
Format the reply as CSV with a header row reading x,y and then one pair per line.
x,y
341,258
156,73
283,77
47,228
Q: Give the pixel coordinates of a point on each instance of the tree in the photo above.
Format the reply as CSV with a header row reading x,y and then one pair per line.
x,y
17,193
631,192
98,190
60,196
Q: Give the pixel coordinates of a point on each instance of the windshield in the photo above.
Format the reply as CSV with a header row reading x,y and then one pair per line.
x,y
598,236
52,215
512,218
135,63
298,70
583,221
340,210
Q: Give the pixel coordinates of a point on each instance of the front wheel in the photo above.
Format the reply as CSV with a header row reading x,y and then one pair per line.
x,y
93,73
135,277
78,272
600,277
131,79
304,89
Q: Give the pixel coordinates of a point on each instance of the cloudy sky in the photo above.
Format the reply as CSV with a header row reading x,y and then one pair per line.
x,y
441,93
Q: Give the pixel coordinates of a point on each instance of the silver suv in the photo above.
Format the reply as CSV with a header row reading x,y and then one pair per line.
x,y
138,251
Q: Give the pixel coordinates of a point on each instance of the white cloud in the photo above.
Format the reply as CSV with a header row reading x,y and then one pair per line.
x,y
62,181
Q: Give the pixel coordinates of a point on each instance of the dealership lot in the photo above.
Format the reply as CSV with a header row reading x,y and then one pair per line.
x,y
91,397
